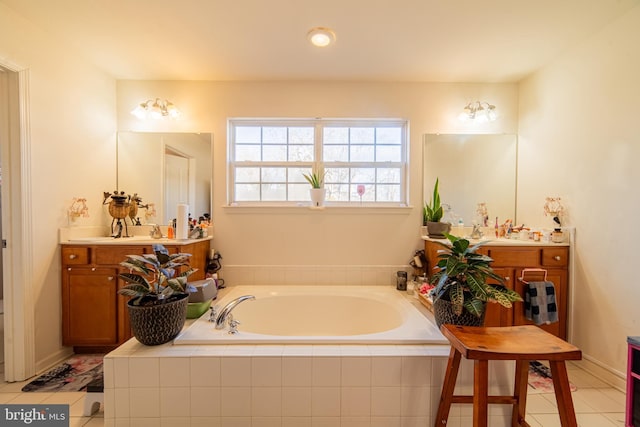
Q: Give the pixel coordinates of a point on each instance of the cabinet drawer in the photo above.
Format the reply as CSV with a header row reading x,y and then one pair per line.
x,y
555,257
515,257
113,255
75,255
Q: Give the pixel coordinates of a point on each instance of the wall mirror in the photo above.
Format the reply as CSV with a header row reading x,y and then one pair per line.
x,y
166,169
473,169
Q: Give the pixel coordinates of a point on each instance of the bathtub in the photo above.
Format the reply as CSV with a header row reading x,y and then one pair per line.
x,y
318,315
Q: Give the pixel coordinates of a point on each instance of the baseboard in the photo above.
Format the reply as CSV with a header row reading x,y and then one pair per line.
x,y
615,379
53,360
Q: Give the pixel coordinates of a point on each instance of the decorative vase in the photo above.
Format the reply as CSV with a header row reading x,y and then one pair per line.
x,y
437,229
158,324
317,196
443,313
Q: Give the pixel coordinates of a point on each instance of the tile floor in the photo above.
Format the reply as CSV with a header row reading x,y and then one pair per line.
x,y
596,403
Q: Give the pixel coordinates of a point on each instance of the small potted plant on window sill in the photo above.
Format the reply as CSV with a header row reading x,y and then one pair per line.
x,y
158,307
461,291
317,191
432,215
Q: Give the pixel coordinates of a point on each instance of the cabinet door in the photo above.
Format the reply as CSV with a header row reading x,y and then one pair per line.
x,y
89,306
497,315
559,279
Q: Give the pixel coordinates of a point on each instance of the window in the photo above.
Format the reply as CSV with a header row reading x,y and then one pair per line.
x,y
363,161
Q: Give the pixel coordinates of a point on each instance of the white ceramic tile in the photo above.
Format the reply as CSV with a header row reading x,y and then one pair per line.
x,y
174,421
537,404
298,350
175,402
268,350
386,371
266,401
205,401
325,350
296,401
421,422
235,422
204,371
236,371
145,422
416,371
144,372
266,371
385,401
296,421
355,422
235,401
144,402
121,401
355,401
325,422
296,371
348,350
385,421
174,372
120,373
414,401
356,371
325,401
205,422
107,373
326,371
599,401
266,422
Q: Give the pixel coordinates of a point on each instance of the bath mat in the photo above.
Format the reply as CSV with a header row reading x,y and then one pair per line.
x,y
540,378
72,375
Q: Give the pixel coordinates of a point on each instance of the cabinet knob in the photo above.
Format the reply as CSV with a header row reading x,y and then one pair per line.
x,y
110,278
507,278
93,269
557,258
68,268
73,256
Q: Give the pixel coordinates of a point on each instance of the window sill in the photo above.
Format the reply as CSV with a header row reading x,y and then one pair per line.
x,y
333,209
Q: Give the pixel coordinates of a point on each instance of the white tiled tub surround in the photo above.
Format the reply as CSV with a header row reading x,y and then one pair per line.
x,y
288,385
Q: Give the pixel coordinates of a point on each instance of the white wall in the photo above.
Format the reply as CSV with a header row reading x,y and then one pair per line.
x,y
72,130
580,140
294,237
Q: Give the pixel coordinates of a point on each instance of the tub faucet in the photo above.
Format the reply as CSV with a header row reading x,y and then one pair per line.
x,y
225,313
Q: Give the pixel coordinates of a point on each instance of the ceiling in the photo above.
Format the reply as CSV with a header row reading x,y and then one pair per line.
x,y
377,40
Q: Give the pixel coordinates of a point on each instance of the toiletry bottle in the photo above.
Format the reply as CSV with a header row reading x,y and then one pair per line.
x,y
170,232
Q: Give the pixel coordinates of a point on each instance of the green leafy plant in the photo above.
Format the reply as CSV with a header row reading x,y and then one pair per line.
x,y
156,275
462,276
433,211
314,178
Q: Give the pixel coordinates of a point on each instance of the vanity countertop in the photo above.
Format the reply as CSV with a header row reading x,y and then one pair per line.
x,y
138,235
502,242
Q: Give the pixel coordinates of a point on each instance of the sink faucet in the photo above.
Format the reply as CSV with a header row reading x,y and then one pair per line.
x,y
156,233
225,313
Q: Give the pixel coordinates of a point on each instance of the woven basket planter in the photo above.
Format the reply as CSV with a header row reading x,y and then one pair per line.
x,y
443,313
158,324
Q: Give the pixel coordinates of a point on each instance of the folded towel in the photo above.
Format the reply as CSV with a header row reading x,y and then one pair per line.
x,y
540,302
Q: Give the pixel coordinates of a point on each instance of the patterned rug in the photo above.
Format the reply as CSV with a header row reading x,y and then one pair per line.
x,y
540,378
72,375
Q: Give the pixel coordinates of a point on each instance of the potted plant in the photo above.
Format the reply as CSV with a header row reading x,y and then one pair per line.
x,y
158,307
432,214
461,290
317,190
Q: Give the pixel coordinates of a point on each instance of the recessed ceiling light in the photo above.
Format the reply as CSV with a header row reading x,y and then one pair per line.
x,y
321,36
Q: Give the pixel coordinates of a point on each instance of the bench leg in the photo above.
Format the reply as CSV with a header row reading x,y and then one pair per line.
x,y
447,388
520,393
480,393
563,393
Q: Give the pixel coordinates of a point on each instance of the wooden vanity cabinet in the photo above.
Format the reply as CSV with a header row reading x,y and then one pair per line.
x,y
509,262
94,315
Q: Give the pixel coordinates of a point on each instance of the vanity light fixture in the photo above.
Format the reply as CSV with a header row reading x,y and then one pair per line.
x,y
156,109
480,112
321,36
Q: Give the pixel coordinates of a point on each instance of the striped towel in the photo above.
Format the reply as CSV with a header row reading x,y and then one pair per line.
x,y
540,302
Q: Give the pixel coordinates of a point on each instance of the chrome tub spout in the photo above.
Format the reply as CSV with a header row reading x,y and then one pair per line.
x,y
222,318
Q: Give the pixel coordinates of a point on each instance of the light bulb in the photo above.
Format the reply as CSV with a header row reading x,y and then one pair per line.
x,y
321,36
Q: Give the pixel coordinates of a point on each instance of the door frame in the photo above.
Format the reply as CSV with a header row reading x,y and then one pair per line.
x,y
19,330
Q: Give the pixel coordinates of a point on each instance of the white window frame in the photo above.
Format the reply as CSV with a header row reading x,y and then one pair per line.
x,y
319,124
